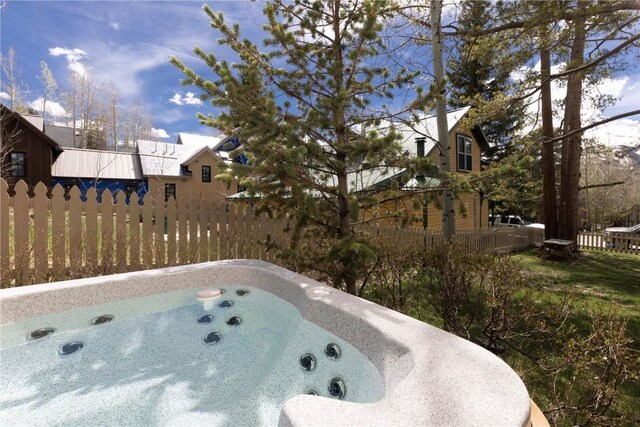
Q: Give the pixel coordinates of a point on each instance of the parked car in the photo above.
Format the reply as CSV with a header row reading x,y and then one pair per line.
x,y
508,221
622,237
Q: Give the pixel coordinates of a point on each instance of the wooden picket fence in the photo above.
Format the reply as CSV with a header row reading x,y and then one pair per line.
x,y
615,242
56,238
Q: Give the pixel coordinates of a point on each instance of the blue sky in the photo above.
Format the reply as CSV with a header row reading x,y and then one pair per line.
x,y
129,43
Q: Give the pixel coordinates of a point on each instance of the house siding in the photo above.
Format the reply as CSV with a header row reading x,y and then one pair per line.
x,y
192,186
39,155
472,212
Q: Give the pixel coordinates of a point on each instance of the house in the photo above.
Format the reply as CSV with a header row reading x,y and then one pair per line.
x,y
27,152
101,170
185,169
419,140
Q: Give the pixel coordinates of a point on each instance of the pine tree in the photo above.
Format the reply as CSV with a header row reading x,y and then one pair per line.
x,y
309,106
479,75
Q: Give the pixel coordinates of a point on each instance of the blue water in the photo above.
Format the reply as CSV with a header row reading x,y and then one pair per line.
x,y
156,369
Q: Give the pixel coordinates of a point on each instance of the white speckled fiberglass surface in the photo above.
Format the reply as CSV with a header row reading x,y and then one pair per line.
x,y
155,368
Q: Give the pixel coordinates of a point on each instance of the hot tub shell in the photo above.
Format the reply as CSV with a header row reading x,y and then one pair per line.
x,y
430,377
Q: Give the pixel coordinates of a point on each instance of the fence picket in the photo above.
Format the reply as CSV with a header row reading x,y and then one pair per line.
x,y
21,234
106,241
40,235
223,221
158,233
121,233
214,249
171,231
58,244
147,227
76,232
182,230
203,237
193,231
91,232
134,232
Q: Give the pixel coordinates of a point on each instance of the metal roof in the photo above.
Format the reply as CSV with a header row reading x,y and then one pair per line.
x,y
79,163
164,159
426,127
199,140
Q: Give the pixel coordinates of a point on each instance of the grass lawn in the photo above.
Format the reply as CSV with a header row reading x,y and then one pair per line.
x,y
604,281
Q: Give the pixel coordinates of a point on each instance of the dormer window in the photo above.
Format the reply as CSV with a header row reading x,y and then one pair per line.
x,y
465,158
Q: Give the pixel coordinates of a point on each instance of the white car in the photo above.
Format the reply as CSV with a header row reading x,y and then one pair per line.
x,y
508,221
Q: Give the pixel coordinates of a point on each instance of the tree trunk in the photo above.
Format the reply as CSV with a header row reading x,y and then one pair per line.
x,y
448,212
549,202
572,144
344,208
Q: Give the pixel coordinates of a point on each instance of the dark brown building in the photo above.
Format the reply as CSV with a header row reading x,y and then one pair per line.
x,y
26,152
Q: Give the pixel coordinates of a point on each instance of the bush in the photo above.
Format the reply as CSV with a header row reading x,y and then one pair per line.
x,y
572,360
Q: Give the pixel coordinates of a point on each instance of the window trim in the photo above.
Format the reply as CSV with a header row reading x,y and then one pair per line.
x,y
208,175
465,155
22,162
168,193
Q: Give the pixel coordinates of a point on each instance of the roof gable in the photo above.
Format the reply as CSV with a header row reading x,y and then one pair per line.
x,y
4,111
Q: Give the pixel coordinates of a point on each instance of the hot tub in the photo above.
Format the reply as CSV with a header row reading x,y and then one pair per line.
x,y
274,348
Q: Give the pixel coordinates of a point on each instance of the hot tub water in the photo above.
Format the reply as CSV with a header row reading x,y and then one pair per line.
x,y
175,363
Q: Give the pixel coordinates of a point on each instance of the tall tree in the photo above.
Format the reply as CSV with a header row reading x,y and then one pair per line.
x,y
12,81
309,108
448,212
50,86
605,30
479,74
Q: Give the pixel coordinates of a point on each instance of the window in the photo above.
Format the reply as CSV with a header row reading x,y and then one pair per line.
x,y
464,153
169,191
17,167
206,173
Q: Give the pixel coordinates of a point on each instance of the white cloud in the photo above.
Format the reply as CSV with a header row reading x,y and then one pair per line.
x,y
52,108
619,132
189,99
73,58
71,54
159,133
4,95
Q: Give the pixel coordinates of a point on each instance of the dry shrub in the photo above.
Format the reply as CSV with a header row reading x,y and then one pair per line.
x,y
573,360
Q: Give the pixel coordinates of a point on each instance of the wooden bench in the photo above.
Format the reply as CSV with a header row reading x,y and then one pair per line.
x,y
566,248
